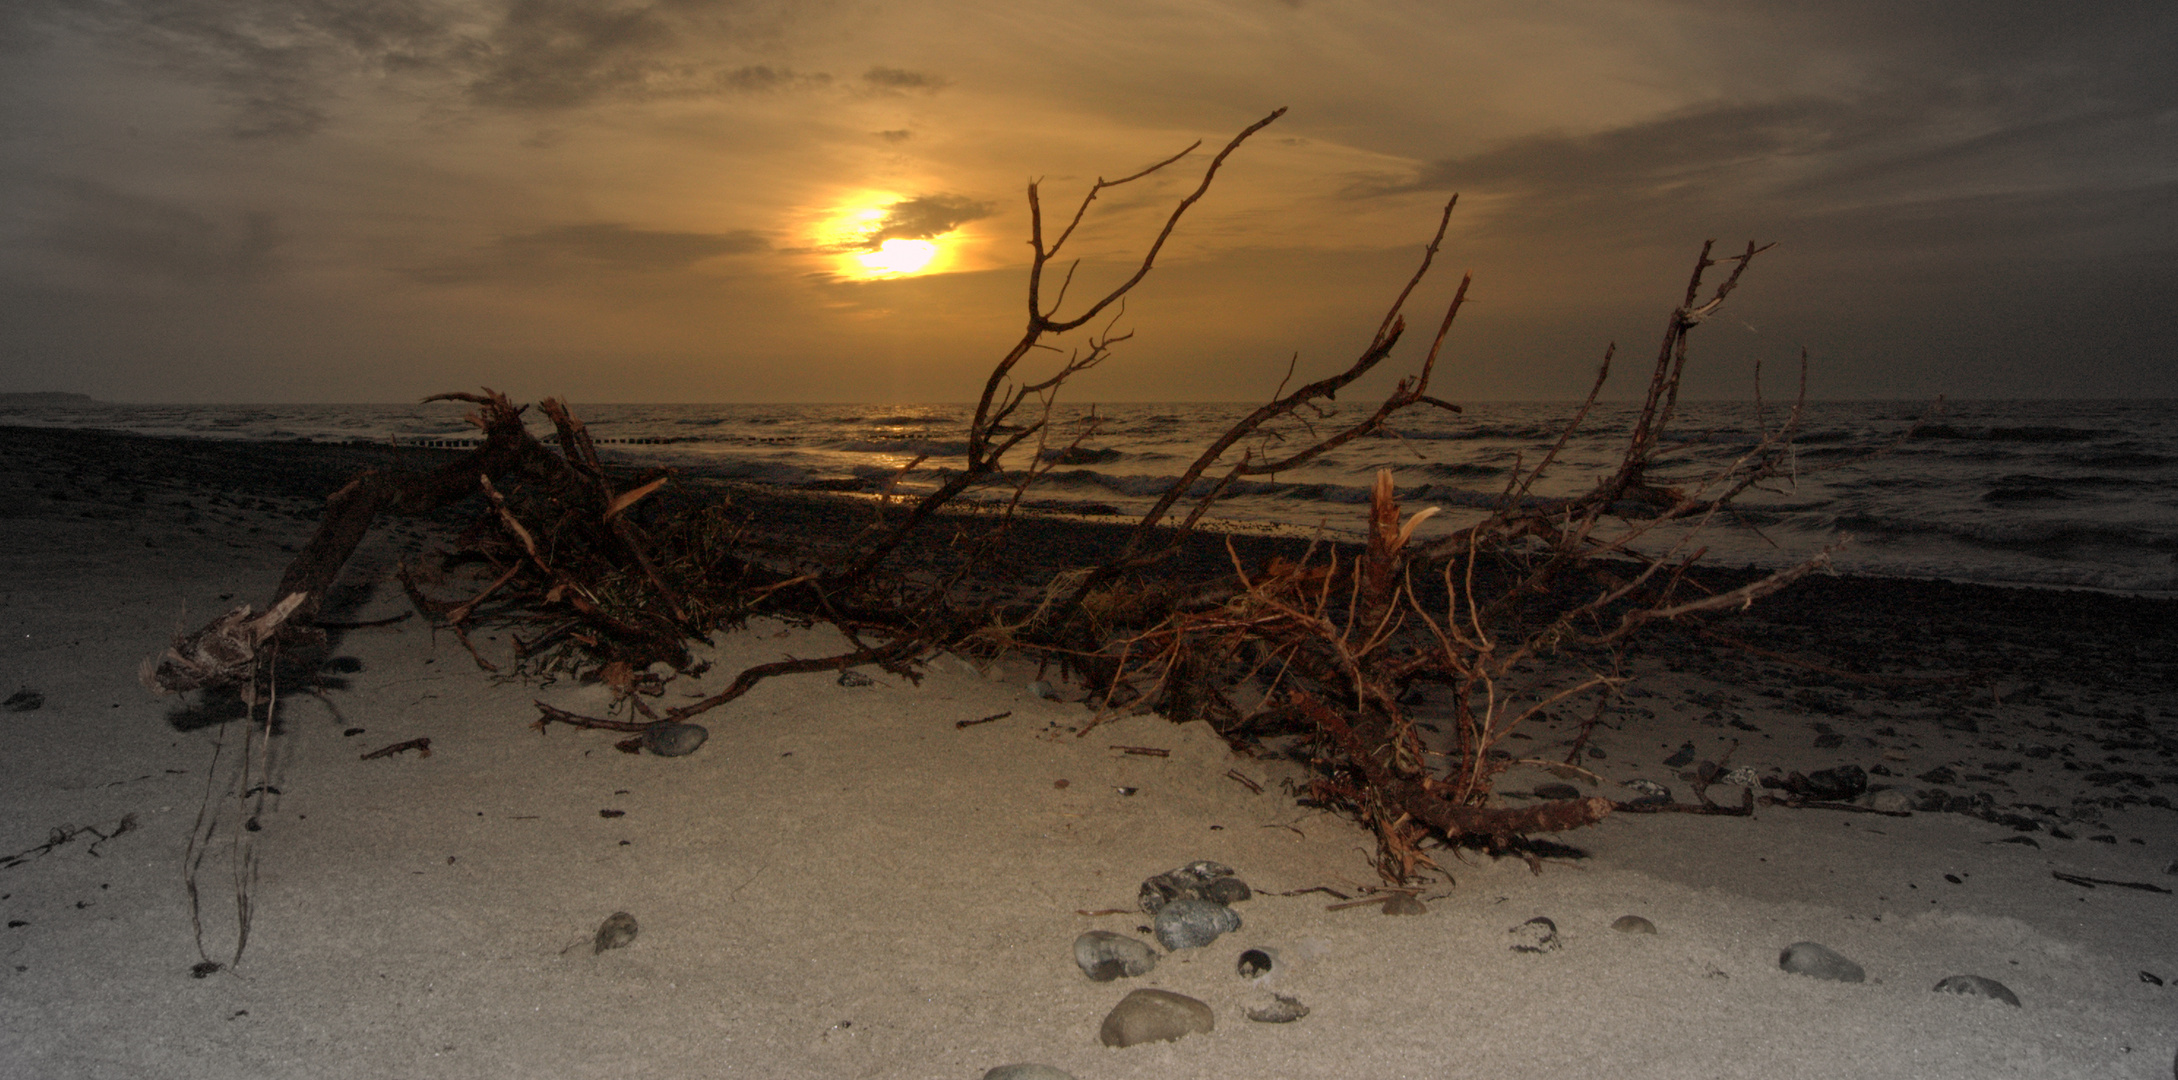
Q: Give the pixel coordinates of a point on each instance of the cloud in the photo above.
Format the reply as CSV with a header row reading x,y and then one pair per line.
x,y
132,236
897,135
925,217
564,249
897,80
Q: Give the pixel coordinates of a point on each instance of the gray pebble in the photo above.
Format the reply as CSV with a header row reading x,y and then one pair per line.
x,y
1557,791
1400,903
1190,924
1027,1072
1044,690
1154,1016
674,739
1281,1010
1976,986
1104,956
1537,935
1633,924
1652,793
1818,962
851,677
615,932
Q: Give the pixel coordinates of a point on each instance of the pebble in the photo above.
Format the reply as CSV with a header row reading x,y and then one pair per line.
x,y
851,677
1976,986
1198,880
1027,1072
1557,791
1652,793
673,739
24,700
1281,1010
615,932
1191,924
1044,690
1818,962
1154,1016
1890,801
1684,756
1255,962
1633,924
1537,935
1842,784
1405,904
1104,956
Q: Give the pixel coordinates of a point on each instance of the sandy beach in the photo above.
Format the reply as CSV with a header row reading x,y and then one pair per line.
x,y
846,882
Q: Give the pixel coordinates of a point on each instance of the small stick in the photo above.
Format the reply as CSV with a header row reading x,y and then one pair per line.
x,y
1377,899
421,746
985,720
1234,774
1324,889
1143,751
328,624
1104,911
2091,882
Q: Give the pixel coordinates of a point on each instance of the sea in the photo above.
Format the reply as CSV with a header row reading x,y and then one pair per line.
x,y
2064,494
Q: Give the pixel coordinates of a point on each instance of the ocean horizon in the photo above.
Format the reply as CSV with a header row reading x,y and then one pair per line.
x,y
2078,493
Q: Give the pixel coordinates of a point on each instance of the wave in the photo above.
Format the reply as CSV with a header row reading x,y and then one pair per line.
x,y
2037,434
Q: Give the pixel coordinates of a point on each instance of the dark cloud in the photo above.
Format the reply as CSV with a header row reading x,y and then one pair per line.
x,y
133,237
898,80
553,54
272,61
925,217
602,245
759,78
897,135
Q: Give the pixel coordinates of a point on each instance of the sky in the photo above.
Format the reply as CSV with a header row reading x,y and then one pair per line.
x,y
826,200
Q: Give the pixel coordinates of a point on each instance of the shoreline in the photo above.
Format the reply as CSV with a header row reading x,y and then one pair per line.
x,y
311,469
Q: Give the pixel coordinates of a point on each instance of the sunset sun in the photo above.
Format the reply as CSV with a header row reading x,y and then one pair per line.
x,y
898,257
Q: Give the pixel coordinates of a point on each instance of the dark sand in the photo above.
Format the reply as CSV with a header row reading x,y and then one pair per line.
x,y
843,883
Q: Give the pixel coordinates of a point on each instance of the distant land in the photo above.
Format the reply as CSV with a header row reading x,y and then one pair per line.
x,y
47,397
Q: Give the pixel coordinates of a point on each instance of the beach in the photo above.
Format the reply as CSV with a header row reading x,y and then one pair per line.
x,y
887,880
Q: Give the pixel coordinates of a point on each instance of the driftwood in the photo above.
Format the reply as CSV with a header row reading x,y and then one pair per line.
x,y
1339,639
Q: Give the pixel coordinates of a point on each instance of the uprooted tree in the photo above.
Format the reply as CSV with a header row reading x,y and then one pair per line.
x,y
1522,611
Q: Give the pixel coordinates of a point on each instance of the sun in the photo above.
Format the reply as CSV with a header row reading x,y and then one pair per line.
x,y
898,257
866,239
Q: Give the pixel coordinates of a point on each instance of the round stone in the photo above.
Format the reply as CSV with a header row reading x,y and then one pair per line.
x,y
1191,924
1027,1072
673,739
1154,1016
1104,956
1400,903
1976,986
1557,791
1819,962
1255,962
1633,924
